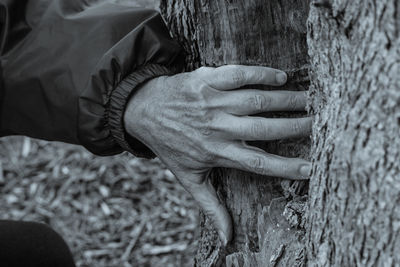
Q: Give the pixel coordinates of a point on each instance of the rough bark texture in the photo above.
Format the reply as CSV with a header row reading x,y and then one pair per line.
x,y
266,212
354,205
353,213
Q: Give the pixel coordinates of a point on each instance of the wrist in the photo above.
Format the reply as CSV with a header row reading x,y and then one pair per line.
x,y
136,116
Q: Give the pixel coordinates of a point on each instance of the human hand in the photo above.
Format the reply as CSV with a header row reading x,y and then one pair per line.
x,y
198,120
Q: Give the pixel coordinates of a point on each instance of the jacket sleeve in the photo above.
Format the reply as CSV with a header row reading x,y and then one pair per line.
x,y
68,68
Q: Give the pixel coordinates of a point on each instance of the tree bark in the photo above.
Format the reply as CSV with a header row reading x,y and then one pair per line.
x,y
352,213
270,33
354,205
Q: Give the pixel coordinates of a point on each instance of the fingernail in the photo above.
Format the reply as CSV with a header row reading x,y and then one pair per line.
x,y
281,77
305,169
222,237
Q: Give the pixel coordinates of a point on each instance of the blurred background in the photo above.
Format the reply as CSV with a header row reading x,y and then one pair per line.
x,y
112,211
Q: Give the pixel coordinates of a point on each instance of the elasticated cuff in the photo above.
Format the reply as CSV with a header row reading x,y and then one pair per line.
x,y
118,101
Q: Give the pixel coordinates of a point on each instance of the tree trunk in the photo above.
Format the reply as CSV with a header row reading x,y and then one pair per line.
x,y
258,32
354,204
352,213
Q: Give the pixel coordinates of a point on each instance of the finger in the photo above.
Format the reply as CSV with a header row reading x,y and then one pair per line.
x,y
247,102
235,76
204,193
264,129
252,159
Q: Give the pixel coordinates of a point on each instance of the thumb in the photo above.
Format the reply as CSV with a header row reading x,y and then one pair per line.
x,y
203,192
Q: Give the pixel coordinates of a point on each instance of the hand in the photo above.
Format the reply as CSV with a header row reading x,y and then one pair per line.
x,y
197,120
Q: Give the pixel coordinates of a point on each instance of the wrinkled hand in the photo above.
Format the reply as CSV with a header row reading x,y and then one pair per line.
x,y
197,120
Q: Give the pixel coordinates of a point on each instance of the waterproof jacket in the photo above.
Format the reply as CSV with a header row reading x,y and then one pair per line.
x,y
68,68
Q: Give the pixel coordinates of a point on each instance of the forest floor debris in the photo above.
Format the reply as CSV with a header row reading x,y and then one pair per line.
x,y
112,211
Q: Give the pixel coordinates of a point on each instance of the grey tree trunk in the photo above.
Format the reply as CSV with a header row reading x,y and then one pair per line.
x,y
354,199
351,216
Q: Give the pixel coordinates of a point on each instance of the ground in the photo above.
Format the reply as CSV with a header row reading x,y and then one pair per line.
x,y
112,211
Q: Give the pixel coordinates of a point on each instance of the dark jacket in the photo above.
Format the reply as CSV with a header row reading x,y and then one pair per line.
x,y
68,68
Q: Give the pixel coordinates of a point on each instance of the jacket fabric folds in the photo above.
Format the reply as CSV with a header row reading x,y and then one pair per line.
x,y
69,67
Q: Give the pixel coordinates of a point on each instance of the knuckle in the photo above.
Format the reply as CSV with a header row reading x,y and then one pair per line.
x,y
296,127
293,101
203,89
258,129
259,73
198,93
257,164
208,157
203,70
238,76
260,102
210,124
206,129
